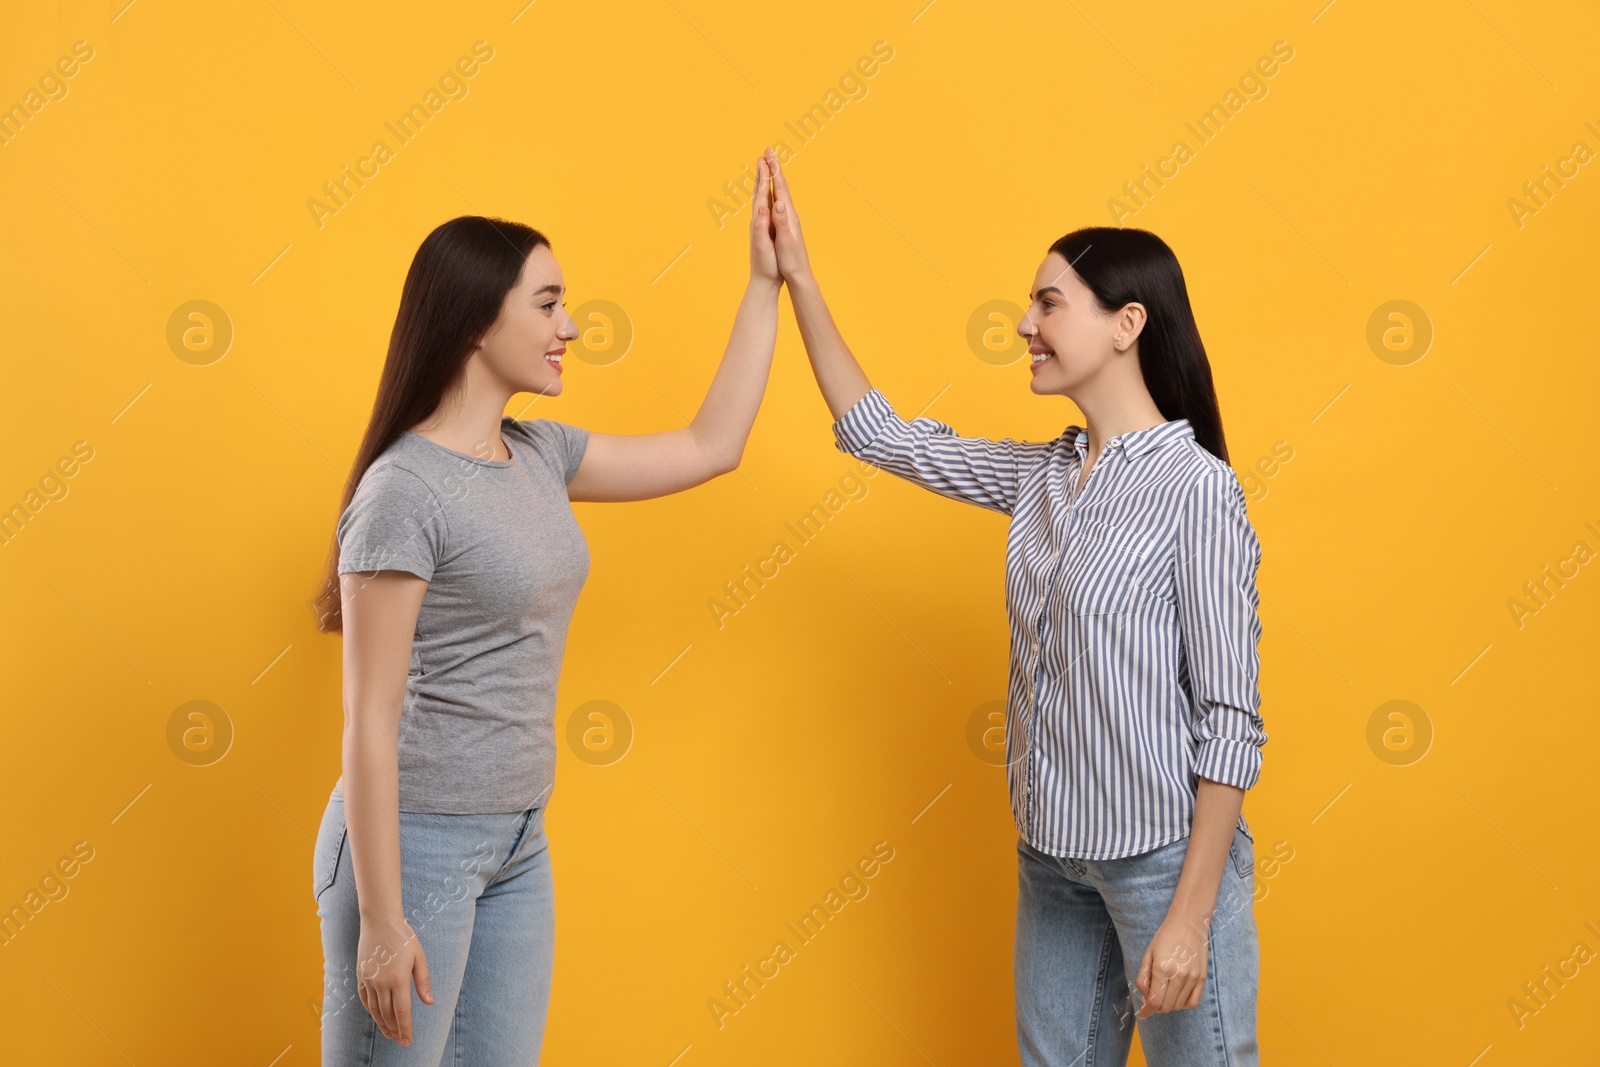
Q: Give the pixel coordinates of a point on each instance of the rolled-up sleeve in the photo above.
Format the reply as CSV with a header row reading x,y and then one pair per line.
x,y
931,454
1217,560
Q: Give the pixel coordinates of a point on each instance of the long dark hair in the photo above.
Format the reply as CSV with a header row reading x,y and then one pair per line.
x,y
1123,266
453,293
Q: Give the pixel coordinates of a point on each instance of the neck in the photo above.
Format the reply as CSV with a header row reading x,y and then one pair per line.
x,y
1113,412
469,421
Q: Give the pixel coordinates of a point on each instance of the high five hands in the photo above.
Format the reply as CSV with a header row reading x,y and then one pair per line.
x,y
790,243
777,247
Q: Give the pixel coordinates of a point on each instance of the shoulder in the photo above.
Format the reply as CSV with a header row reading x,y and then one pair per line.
x,y
560,444
392,482
1188,464
1213,497
544,433
394,521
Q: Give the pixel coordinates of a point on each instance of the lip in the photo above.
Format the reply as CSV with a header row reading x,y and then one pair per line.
x,y
1033,368
555,352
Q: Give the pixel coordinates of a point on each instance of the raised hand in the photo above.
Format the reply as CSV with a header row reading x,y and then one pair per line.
x,y
763,256
789,241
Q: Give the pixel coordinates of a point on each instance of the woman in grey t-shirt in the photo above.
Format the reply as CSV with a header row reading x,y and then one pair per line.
x,y
457,567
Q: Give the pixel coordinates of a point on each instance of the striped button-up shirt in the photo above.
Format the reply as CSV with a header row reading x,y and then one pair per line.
x,y
1132,605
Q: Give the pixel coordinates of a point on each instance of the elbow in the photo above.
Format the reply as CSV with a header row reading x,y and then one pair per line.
x,y
719,461
372,719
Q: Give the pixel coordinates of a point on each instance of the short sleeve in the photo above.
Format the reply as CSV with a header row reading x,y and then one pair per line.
x,y
561,444
394,523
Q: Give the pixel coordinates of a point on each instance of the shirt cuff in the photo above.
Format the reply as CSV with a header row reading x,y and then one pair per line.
x,y
862,423
1230,762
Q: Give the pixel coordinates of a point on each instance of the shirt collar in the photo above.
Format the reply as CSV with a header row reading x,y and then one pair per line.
x,y
1136,443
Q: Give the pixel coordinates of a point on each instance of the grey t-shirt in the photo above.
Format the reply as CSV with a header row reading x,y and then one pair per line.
x,y
505,560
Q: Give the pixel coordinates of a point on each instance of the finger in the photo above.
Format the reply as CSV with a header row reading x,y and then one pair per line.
x,y
766,194
1178,990
1177,993
1141,982
762,218
782,205
424,984
386,1004
1160,985
402,1015
780,183
759,200
772,187
374,1006
1182,996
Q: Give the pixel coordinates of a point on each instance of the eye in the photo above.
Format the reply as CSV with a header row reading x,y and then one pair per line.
x,y
547,305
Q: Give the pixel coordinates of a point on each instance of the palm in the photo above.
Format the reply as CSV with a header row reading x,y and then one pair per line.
x,y
763,255
787,238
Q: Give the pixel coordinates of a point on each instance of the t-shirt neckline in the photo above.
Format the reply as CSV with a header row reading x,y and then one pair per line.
x,y
468,456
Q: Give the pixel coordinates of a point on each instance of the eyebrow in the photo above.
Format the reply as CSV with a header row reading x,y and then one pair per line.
x,y
551,288
1047,289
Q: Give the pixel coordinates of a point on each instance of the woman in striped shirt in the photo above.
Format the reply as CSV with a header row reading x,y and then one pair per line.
x,y
1132,722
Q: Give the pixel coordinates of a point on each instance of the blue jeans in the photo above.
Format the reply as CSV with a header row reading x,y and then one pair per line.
x,y
478,893
1082,930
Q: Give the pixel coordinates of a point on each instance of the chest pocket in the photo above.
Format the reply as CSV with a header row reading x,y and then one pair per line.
x,y
1105,563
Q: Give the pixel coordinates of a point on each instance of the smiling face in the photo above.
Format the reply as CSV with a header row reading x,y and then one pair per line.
x,y
525,345
1070,340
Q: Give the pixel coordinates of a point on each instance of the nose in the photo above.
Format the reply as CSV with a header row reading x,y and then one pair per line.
x,y
566,329
1025,326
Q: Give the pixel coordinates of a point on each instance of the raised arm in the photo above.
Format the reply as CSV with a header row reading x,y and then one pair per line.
x,y
930,453
641,466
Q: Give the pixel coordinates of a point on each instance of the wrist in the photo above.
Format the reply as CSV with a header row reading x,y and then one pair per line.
x,y
801,281
764,286
1191,913
383,918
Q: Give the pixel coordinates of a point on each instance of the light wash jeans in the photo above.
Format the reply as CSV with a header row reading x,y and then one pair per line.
x,y
477,891
1082,930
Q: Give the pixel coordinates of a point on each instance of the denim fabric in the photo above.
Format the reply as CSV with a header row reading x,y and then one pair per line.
x,y
478,892
1082,928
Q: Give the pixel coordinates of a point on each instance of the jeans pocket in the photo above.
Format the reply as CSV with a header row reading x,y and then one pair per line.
x,y
329,850
1243,854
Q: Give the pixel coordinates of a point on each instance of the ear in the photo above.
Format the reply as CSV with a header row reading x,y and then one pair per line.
x,y
1132,321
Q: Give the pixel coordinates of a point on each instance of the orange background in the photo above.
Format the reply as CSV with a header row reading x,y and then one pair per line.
x,y
1439,861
